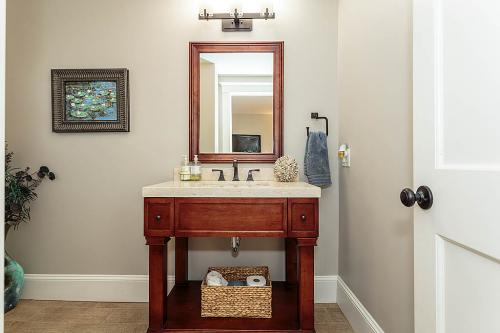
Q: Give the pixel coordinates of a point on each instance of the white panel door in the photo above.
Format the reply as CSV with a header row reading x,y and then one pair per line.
x,y
457,154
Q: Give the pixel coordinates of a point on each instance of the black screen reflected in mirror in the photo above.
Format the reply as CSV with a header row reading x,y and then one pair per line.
x,y
246,143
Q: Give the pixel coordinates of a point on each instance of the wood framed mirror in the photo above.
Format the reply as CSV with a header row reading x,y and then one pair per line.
x,y
236,102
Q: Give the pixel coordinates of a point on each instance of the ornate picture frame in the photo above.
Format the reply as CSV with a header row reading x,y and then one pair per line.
x,y
90,100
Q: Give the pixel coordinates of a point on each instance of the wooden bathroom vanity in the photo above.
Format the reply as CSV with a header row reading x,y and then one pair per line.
x,y
230,209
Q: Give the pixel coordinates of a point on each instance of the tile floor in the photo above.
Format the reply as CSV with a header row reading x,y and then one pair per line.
x,y
89,317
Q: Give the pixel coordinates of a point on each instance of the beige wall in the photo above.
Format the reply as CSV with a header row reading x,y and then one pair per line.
x,y
376,258
259,124
89,221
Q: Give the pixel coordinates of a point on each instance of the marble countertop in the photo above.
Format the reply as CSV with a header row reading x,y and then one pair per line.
x,y
230,189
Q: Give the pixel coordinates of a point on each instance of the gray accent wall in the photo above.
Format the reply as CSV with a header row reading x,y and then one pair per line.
x,y
89,221
375,79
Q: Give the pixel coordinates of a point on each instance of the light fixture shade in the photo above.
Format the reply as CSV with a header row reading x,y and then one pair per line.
x,y
267,8
237,9
206,8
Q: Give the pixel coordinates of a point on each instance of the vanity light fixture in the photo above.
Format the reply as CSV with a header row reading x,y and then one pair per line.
x,y
236,20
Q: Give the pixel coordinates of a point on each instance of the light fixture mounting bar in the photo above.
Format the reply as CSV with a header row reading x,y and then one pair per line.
x,y
226,16
236,21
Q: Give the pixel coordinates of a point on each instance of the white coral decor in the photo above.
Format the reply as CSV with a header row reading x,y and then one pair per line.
x,y
286,169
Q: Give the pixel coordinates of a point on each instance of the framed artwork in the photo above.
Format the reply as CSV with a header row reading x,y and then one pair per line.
x,y
246,143
90,100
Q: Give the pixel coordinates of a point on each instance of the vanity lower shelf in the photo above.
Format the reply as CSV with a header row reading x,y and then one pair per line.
x,y
184,312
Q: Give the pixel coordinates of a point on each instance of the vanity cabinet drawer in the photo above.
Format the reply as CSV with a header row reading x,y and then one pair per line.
x,y
158,216
303,217
225,217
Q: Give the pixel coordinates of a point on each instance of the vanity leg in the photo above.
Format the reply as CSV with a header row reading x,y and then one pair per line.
x,y
181,260
291,260
306,282
157,282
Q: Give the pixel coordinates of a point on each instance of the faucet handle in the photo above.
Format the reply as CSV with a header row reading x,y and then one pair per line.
x,y
250,175
221,174
236,176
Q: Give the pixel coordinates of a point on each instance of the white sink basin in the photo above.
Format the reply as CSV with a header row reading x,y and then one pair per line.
x,y
230,189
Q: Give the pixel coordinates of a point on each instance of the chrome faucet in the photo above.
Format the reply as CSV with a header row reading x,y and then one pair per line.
x,y
235,171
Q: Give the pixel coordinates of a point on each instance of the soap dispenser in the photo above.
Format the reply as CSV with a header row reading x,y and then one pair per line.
x,y
196,169
185,171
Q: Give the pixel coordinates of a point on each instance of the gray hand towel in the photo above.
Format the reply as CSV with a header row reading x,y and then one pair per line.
x,y
316,164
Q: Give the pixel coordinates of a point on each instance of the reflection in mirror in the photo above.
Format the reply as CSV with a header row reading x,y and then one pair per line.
x,y
236,102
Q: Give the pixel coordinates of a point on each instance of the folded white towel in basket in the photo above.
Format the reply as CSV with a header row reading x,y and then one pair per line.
x,y
215,279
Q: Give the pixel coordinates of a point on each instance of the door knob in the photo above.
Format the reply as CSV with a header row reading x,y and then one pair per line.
x,y
423,197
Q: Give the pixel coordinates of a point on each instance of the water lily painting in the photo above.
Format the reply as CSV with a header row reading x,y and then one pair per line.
x,y
90,100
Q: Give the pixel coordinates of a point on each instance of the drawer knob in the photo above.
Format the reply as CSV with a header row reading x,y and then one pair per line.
x,y
303,217
158,218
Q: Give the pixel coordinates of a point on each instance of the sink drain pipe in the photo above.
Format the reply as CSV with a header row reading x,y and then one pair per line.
x,y
235,244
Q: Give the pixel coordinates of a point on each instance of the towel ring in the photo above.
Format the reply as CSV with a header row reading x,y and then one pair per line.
x,y
315,115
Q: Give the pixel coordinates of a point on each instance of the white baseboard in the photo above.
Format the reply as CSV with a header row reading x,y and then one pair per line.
x,y
134,288
358,316
99,288
124,288
325,289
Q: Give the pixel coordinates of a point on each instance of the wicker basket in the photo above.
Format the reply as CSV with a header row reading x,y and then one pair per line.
x,y
237,301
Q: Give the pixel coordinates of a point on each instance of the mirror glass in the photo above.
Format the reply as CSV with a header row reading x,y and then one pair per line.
x,y
236,103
